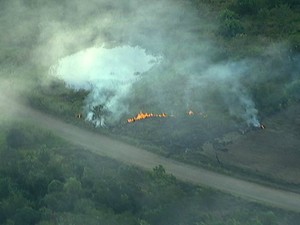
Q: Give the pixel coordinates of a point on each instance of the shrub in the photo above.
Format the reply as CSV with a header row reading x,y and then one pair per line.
x,y
15,138
295,42
26,216
55,186
230,25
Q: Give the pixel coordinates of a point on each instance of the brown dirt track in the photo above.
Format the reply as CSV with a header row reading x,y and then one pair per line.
x,y
128,154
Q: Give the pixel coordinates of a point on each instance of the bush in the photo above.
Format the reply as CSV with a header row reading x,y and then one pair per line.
x,y
73,187
228,15
15,138
55,186
230,24
26,216
58,202
295,42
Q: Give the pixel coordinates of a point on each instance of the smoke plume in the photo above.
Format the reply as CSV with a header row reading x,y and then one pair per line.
x,y
156,56
108,74
237,100
187,77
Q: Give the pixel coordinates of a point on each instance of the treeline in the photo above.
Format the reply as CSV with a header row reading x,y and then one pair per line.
x,y
44,181
258,20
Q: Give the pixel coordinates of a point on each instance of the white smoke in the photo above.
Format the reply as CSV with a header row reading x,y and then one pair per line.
x,y
221,84
108,74
188,77
191,76
242,106
234,93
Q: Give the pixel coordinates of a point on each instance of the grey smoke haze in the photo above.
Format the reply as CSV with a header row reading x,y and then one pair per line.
x,y
187,77
224,80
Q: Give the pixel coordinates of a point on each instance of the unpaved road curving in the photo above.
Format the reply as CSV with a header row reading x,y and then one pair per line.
x,y
128,154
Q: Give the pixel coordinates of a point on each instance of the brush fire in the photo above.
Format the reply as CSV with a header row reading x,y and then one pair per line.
x,y
143,115
190,113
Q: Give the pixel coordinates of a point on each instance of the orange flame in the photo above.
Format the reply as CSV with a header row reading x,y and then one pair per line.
x,y
142,116
190,113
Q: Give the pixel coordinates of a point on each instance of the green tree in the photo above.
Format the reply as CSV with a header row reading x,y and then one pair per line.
x,y
159,171
26,216
294,40
230,25
58,202
73,187
10,205
55,186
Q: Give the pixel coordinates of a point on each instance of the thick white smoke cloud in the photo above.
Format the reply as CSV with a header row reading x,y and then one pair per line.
x,y
187,77
108,74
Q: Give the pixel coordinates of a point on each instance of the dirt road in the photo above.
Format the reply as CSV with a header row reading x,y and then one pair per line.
x,y
128,154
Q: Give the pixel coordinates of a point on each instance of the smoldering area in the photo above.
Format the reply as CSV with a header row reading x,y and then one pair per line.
x,y
177,66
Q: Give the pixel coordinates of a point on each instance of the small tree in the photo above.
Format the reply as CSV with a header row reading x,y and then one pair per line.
x,y
159,171
55,186
99,113
230,24
26,216
73,187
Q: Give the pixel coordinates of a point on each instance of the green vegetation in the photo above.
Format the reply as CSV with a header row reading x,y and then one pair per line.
x,y
57,99
231,25
246,29
46,181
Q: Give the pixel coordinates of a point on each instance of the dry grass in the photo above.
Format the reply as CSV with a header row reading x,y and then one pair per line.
x,y
274,152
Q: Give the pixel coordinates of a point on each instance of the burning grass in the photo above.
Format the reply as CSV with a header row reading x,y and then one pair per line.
x,y
143,115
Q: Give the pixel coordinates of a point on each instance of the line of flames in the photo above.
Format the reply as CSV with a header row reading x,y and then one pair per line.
x,y
143,115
